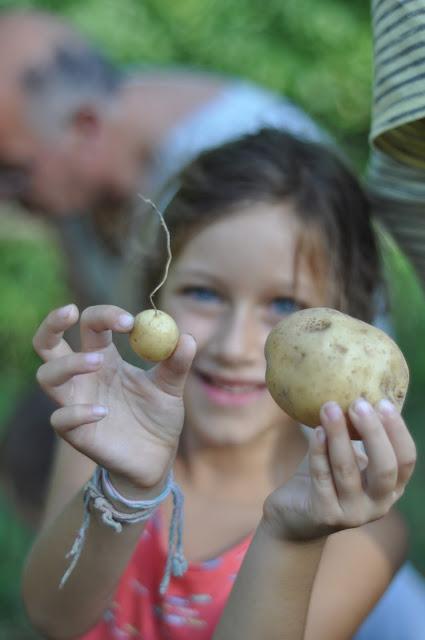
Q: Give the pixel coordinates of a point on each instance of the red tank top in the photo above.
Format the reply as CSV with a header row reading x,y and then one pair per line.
x,y
191,607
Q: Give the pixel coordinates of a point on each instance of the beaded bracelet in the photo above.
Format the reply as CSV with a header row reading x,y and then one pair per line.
x,y
98,493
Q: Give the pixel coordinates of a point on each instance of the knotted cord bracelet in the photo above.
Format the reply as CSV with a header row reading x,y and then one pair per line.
x,y
98,493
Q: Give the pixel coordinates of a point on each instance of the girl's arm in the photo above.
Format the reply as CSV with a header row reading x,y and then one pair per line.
x,y
355,569
135,439
272,592
70,471
70,611
271,596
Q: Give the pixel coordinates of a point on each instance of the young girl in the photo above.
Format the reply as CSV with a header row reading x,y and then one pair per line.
x,y
260,228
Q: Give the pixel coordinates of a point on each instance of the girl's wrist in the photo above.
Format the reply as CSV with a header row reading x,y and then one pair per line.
x,y
289,527
147,487
279,533
131,491
144,508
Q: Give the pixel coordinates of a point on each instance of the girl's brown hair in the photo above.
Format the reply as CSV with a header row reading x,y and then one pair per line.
x,y
272,166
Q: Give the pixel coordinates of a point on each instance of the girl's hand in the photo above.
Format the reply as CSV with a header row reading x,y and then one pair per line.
x,y
125,419
336,488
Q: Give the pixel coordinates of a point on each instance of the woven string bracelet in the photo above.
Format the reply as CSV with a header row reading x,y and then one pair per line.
x,y
98,493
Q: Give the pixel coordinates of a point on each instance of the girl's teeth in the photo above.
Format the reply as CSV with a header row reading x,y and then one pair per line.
x,y
235,388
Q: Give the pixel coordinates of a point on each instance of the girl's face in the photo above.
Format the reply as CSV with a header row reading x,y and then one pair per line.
x,y
231,283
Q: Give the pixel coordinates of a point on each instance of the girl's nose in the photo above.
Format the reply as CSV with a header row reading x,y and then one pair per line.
x,y
238,337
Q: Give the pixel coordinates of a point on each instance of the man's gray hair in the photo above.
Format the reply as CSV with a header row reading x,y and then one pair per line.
x,y
73,75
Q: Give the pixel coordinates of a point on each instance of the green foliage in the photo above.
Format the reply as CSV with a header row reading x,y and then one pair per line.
x,y
14,544
31,282
318,54
408,313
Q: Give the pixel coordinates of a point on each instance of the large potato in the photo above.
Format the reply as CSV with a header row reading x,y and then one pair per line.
x,y
321,354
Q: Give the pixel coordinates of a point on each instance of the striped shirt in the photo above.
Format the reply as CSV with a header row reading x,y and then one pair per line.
x,y
396,171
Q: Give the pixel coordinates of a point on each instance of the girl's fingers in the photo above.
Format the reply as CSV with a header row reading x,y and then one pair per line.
x,y
48,341
343,461
320,469
97,324
361,457
381,472
68,418
401,441
57,372
170,375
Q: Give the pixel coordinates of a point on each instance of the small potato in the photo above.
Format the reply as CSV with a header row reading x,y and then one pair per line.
x,y
154,336
321,354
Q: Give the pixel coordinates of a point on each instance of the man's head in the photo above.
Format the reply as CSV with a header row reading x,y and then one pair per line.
x,y
58,105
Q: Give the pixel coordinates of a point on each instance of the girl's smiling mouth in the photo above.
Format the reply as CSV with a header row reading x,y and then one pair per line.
x,y
226,391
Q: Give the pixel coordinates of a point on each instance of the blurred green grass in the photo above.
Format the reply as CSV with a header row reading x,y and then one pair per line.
x,y
14,543
31,281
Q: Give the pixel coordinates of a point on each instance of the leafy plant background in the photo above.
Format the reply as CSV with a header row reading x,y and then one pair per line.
x,y
317,53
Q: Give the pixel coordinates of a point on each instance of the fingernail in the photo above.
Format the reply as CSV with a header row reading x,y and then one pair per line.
x,y
362,407
332,411
320,435
94,358
125,320
386,407
64,312
99,410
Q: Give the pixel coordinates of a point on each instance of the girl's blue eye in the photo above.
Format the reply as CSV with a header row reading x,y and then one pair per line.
x,y
201,294
285,306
